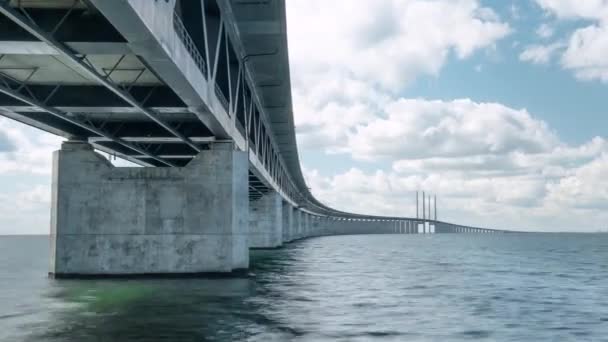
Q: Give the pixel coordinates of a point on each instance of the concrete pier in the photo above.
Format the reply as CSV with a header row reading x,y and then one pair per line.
x,y
109,221
266,221
287,225
297,224
306,225
315,226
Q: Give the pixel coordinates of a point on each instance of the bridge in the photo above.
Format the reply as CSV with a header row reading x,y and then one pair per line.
x,y
197,93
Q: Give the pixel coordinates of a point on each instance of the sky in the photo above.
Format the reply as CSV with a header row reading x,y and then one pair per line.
x,y
497,107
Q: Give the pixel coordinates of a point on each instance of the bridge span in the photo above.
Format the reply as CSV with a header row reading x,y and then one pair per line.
x,y
195,91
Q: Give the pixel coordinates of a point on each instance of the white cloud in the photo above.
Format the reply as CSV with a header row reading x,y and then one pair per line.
x,y
415,128
31,150
343,75
448,129
587,47
530,200
587,52
585,188
545,31
540,54
490,161
576,9
416,36
26,210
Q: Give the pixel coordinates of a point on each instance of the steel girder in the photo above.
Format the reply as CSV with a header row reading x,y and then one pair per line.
x,y
64,51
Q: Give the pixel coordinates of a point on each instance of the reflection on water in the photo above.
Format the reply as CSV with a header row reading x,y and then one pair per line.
x,y
350,288
154,310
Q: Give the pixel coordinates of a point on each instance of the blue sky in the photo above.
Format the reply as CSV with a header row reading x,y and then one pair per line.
x,y
498,107
519,87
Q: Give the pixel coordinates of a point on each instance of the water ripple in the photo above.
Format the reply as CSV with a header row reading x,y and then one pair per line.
x,y
533,287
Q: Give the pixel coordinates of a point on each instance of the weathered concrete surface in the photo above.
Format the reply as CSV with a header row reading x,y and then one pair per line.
x,y
306,228
128,221
315,226
287,225
266,221
297,224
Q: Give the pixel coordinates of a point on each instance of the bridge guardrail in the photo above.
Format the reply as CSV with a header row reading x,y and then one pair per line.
x,y
220,95
191,47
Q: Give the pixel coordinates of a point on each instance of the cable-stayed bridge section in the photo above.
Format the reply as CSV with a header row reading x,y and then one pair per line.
x,y
197,93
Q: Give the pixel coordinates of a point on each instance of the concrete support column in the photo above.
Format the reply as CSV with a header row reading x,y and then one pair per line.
x,y
316,225
307,226
287,225
109,221
322,226
297,224
266,221
339,226
330,226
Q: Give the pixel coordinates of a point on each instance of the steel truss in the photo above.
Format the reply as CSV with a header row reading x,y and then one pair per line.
x,y
25,22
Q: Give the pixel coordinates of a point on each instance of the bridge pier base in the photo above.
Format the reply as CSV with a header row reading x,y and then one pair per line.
x,y
315,226
287,225
305,225
122,221
266,221
296,232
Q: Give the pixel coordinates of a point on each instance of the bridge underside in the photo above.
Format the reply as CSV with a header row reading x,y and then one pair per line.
x,y
44,88
196,92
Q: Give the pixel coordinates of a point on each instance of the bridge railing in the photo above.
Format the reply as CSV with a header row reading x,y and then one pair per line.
x,y
199,60
220,96
277,172
191,47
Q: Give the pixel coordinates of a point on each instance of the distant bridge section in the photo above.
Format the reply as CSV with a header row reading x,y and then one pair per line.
x,y
195,91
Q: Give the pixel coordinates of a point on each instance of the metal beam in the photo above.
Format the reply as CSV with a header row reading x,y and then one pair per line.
x,y
167,156
85,48
155,140
27,25
126,157
68,118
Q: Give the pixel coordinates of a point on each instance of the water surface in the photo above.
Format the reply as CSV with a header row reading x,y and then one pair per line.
x,y
528,287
